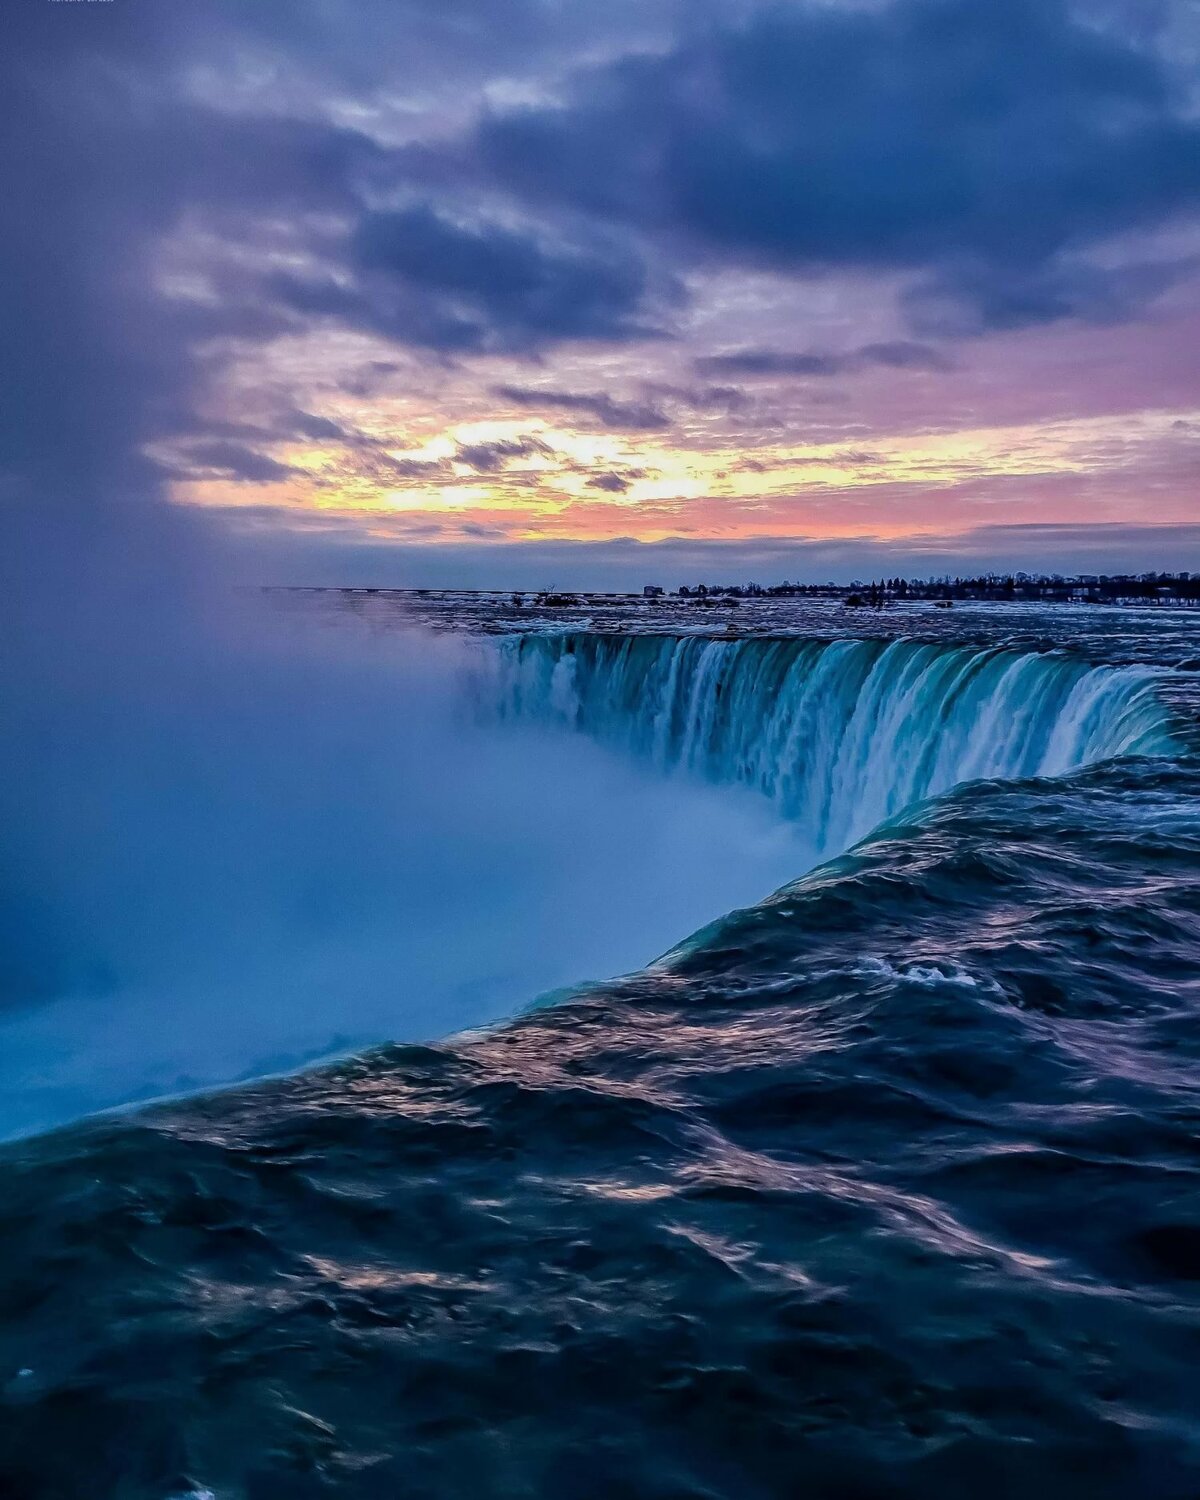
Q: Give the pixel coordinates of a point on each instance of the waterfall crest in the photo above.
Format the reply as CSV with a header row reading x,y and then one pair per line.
x,y
842,734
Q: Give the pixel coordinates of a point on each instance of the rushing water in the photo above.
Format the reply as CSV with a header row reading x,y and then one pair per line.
x,y
841,735
885,1186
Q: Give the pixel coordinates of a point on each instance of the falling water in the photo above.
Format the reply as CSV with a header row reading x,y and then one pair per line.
x,y
841,735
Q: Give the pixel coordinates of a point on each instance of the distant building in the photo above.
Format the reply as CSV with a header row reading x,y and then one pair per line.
x,y
652,591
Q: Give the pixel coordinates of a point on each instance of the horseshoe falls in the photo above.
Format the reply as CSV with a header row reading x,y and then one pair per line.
x,y
874,1175
839,735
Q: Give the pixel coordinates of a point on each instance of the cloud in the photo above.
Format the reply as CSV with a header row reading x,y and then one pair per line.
x,y
982,148
615,484
771,362
905,354
617,416
458,284
380,50
715,398
969,299
103,166
236,462
490,458
419,468
899,354
306,424
991,135
119,144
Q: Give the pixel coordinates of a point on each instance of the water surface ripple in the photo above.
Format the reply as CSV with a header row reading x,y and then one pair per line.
x,y
886,1187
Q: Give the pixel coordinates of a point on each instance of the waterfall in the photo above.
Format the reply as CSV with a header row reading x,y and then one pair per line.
x,y
843,734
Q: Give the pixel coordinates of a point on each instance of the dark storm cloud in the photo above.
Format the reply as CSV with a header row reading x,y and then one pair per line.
x,y
718,398
420,468
978,144
771,362
651,413
982,138
423,279
615,484
973,299
899,354
904,354
111,149
307,425
490,458
605,410
433,279
98,169
235,461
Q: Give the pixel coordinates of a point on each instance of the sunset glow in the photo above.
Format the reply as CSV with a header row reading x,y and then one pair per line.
x,y
411,300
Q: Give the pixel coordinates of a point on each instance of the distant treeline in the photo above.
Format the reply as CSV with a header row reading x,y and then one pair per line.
x,y
1099,588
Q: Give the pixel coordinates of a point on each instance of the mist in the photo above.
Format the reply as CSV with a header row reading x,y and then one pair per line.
x,y
234,843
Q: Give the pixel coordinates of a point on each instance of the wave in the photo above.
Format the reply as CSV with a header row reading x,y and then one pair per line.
x,y
269,908
885,1185
840,735
888,1190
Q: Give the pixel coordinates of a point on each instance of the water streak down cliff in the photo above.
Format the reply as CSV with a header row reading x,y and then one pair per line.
x,y
840,734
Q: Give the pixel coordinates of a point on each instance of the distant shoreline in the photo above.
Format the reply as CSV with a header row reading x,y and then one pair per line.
x,y
1123,590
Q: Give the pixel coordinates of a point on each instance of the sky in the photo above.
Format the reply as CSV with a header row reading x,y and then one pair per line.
x,y
517,293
